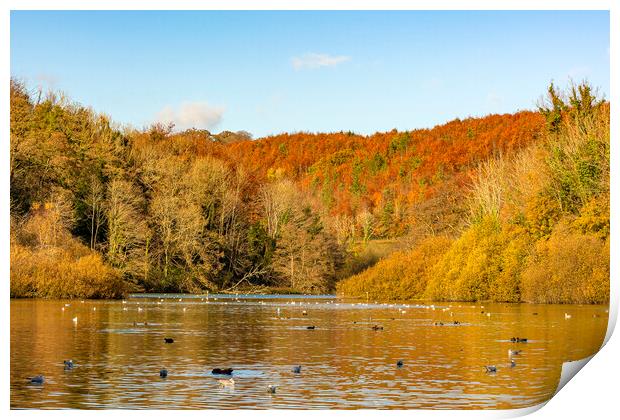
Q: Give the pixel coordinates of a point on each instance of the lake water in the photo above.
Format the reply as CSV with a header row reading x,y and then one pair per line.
x,y
345,363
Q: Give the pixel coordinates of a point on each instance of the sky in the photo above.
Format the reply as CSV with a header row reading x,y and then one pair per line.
x,y
269,72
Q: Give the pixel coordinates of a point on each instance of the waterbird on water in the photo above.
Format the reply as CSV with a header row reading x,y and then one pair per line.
x,y
75,319
219,371
513,353
226,382
271,389
163,373
68,364
491,369
512,363
39,379
400,363
296,369
168,340
567,316
518,340
311,327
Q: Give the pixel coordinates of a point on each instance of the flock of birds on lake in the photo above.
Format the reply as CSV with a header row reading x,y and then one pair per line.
x,y
225,376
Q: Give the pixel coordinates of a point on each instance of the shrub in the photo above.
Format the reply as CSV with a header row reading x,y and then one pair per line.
x,y
569,267
401,276
71,272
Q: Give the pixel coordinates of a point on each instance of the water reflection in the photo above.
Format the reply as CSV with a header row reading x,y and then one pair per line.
x,y
118,350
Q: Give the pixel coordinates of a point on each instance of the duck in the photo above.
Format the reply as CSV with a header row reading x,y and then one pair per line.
x,y
491,369
311,327
68,364
226,371
400,363
567,316
226,382
271,389
297,369
168,340
39,379
75,320
518,340
513,353
304,313
163,373
377,328
512,363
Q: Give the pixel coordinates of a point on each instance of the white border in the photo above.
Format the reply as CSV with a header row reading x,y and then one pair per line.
x,y
593,394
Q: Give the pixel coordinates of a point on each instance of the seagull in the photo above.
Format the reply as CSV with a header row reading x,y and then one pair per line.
x,y
567,316
39,379
75,320
296,369
163,373
271,389
68,364
491,369
227,382
400,363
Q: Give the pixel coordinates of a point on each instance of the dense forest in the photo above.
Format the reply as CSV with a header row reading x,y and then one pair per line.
x,y
502,207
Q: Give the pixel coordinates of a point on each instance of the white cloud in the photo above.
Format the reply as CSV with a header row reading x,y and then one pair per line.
x,y
192,115
315,61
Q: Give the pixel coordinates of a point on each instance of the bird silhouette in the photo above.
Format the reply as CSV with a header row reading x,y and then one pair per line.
x,y
219,371
168,340
68,364
513,353
163,373
400,363
296,369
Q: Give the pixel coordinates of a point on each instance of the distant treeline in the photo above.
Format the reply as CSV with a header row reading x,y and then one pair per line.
x,y
98,210
538,222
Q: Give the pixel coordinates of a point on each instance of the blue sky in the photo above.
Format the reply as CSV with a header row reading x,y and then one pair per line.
x,y
269,72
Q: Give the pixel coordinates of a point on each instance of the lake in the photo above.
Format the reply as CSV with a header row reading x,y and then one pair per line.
x,y
345,363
